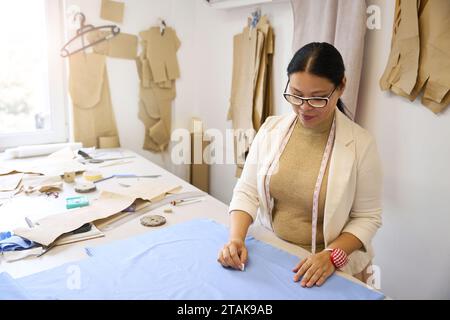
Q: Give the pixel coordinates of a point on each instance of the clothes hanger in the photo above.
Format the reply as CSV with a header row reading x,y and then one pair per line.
x,y
85,29
253,20
162,25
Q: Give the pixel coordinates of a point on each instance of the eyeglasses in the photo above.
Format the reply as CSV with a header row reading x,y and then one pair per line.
x,y
316,102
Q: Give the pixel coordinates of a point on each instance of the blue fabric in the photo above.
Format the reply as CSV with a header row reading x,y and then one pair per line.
x,y
5,235
9,289
180,262
13,243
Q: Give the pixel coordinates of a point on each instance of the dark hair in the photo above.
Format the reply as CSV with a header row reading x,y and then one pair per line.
x,y
321,59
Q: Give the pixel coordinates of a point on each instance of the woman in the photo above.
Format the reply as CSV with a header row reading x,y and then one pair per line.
x,y
312,177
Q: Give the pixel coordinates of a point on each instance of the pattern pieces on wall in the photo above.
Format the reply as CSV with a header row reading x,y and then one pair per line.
x,y
420,53
158,69
93,115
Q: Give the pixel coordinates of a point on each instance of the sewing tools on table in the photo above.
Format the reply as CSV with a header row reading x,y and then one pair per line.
x,y
85,187
126,176
69,177
92,176
184,202
77,202
128,216
153,221
89,159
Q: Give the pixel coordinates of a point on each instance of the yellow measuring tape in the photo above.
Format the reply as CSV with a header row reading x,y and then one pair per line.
x,y
92,175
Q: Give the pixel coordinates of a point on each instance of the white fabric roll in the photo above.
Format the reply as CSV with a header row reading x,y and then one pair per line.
x,y
40,150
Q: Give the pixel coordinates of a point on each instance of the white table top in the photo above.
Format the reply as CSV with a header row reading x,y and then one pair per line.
x,y
12,215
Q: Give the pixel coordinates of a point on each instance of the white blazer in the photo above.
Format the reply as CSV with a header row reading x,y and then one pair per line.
x,y
353,202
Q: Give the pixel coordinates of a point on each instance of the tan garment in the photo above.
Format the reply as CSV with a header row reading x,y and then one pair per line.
x,y
434,69
93,115
247,50
292,187
261,99
161,53
155,105
420,54
250,99
401,70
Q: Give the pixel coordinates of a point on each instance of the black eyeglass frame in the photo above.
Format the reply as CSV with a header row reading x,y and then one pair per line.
x,y
303,99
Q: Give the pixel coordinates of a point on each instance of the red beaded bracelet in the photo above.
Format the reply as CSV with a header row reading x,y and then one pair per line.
x,y
338,257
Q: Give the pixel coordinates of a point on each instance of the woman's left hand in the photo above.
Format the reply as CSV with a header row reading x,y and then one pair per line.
x,y
315,269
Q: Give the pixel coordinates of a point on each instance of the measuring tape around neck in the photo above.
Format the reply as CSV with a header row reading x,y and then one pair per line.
x,y
323,166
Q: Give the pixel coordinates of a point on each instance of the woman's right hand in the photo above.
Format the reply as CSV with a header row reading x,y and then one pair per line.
x,y
233,254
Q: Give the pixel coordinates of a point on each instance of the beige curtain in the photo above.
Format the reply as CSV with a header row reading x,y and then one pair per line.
x,y
341,23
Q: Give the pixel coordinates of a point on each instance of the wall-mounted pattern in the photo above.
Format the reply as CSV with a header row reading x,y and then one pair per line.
x,y
420,53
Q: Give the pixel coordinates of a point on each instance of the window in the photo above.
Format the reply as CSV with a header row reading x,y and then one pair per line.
x,y
32,78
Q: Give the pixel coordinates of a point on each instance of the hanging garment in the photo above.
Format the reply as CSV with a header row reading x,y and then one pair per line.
x,y
401,71
341,23
262,103
434,60
93,115
161,53
157,68
250,99
420,53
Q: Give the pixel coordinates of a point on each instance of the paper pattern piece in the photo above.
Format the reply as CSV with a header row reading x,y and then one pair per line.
x,y
123,45
146,189
113,199
93,115
420,53
158,69
112,10
32,184
51,227
10,182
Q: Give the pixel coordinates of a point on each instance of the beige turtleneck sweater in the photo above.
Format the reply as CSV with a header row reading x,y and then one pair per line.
x,y
292,187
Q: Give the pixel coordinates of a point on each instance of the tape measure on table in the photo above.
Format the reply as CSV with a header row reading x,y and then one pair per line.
x,y
92,175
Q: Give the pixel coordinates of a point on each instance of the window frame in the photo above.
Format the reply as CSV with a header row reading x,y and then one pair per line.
x,y
57,85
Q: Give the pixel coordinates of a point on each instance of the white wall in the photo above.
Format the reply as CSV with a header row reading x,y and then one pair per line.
x,y
413,246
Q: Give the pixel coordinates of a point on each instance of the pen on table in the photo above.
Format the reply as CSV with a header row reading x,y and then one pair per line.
x,y
29,222
185,202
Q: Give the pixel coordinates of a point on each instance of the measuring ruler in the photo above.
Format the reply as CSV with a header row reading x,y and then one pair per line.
x,y
128,216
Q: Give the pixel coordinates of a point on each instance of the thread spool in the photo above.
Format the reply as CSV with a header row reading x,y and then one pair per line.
x,y
69,177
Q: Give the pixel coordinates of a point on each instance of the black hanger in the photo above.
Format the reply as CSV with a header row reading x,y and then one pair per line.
x,y
162,25
83,30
